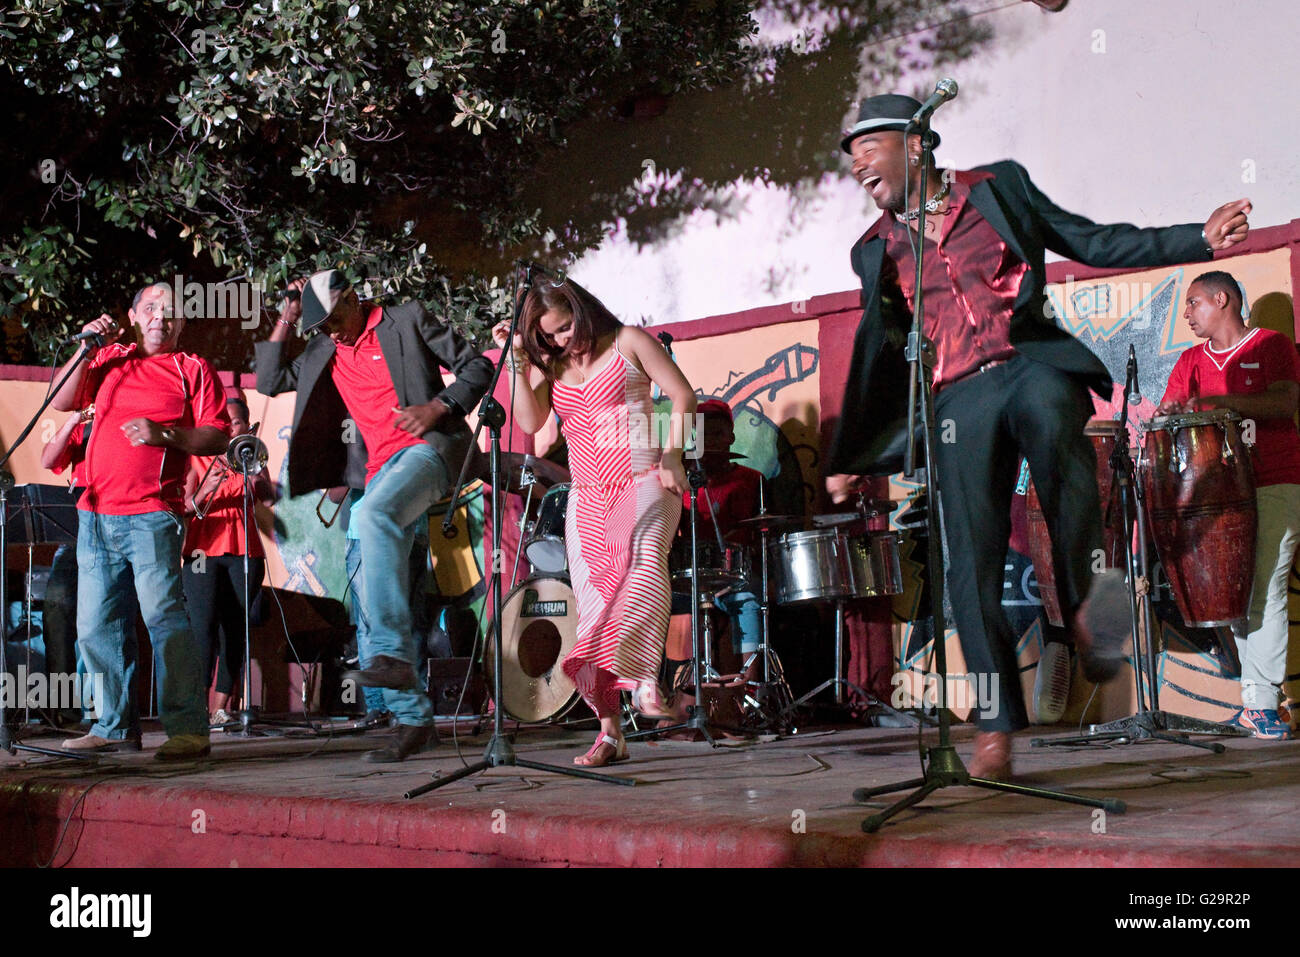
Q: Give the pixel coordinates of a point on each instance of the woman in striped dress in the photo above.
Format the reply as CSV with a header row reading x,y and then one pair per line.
x,y
571,355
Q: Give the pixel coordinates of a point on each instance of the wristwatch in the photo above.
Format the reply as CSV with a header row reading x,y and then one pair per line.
x,y
1206,239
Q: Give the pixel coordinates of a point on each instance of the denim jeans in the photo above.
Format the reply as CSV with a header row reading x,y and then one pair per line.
x,y
373,697
741,606
396,501
115,552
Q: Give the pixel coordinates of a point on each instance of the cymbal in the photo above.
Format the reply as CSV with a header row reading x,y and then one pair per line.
x,y
767,523
545,473
835,519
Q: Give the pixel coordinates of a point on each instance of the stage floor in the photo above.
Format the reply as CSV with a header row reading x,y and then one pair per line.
x,y
314,803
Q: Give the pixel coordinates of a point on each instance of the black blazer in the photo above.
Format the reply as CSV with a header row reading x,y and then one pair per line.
x,y
871,434
414,344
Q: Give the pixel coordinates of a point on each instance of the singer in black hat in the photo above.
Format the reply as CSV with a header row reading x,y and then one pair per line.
x,y
1008,383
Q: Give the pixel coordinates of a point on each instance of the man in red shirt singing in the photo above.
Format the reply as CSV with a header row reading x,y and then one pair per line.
x,y
1255,373
154,408
373,378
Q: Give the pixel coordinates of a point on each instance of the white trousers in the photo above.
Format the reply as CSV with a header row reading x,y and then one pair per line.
x,y
1262,642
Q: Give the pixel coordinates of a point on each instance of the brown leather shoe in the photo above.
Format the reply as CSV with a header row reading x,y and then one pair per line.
x,y
992,758
385,672
411,739
93,742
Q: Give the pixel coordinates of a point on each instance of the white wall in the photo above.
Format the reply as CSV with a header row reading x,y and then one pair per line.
x,y
1154,130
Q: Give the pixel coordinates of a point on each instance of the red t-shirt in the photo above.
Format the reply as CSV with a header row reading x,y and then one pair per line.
x,y
361,375
174,389
1251,366
733,496
221,529
74,456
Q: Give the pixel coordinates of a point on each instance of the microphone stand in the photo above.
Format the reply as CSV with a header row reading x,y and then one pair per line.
x,y
1146,723
943,768
8,738
697,718
499,751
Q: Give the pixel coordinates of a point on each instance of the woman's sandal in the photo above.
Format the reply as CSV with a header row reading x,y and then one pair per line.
x,y
619,746
648,702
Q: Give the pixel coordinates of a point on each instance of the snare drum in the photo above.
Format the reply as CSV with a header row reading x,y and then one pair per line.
x,y
1200,492
720,568
545,544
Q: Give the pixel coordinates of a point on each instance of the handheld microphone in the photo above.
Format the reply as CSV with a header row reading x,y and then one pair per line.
x,y
945,90
96,339
667,340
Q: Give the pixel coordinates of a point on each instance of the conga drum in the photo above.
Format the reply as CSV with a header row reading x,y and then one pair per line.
x,y
1103,433
1200,495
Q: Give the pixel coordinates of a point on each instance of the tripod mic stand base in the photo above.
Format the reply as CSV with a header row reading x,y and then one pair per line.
x,y
697,719
9,743
944,769
1145,726
501,754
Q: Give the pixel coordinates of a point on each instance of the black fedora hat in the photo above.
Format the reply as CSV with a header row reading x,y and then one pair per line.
x,y
888,111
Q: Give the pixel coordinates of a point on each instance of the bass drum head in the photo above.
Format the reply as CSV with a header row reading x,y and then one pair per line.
x,y
539,627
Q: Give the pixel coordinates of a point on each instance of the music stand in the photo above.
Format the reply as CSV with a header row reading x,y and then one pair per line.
x,y
8,739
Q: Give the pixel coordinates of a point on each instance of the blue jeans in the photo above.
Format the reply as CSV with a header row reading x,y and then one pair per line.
x,y
396,501
741,606
112,550
373,697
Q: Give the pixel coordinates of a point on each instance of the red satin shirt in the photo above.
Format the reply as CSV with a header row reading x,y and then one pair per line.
x,y
971,282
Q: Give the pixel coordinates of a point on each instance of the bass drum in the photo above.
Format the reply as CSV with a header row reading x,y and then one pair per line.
x,y
539,627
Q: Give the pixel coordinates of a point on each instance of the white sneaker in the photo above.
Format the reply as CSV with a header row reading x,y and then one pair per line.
x,y
1052,683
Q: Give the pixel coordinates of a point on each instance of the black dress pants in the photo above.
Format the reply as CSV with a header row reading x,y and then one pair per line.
x,y
214,599
985,423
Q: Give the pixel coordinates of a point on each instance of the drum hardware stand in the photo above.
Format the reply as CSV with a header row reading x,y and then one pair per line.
x,y
943,767
697,718
774,694
839,682
8,738
499,751
529,480
1148,722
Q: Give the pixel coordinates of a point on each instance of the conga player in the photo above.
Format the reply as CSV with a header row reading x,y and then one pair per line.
x,y
1255,373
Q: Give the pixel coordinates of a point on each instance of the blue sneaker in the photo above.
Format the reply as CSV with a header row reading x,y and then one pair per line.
x,y
1265,724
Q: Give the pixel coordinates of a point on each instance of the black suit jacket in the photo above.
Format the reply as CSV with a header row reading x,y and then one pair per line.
x,y
414,344
871,434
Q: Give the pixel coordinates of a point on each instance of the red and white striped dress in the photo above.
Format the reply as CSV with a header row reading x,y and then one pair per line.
x,y
618,527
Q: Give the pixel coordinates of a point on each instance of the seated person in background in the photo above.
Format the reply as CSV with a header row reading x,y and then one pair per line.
x,y
1255,373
